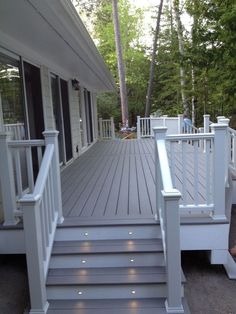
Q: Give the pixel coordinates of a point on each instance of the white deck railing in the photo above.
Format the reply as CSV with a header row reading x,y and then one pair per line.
x,y
143,127
174,125
192,163
40,202
17,130
183,157
42,210
232,147
199,170
106,128
168,213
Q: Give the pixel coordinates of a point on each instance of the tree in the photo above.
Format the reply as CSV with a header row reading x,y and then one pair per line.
x,y
121,68
152,66
182,55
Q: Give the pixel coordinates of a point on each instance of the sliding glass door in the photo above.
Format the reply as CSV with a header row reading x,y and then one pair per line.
x,y
12,111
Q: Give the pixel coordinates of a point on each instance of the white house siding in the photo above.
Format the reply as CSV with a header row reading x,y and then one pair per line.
x,y
82,104
49,121
75,120
95,115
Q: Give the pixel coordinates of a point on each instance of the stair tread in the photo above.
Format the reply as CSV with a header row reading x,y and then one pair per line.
x,y
107,246
114,306
112,275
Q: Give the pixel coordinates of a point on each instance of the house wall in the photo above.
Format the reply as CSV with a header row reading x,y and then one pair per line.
x,y
82,104
95,115
47,99
76,99
75,120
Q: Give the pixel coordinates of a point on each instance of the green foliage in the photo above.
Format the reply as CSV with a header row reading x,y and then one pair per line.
x,y
210,50
135,59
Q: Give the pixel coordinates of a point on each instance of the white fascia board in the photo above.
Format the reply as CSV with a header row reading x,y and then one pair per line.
x,y
64,19
29,55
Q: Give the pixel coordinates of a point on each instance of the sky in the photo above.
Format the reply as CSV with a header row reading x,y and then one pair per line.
x,y
150,14
149,7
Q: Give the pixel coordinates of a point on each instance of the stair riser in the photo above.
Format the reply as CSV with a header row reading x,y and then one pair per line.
x,y
108,233
107,260
106,292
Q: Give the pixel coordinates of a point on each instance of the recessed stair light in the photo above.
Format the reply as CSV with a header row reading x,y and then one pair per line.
x,y
130,232
80,292
133,291
132,260
86,234
83,261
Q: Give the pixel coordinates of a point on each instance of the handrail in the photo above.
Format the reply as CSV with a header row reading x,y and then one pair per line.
x,y
26,143
191,136
164,164
167,199
43,173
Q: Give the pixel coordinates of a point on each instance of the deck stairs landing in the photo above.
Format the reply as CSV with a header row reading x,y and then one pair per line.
x,y
116,269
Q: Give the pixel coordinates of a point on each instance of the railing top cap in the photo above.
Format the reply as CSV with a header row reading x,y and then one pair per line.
x,y
50,132
159,129
219,125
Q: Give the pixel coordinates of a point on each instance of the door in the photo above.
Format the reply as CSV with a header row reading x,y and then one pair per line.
x,y
34,100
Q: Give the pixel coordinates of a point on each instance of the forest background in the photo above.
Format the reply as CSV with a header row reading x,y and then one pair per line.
x,y
209,58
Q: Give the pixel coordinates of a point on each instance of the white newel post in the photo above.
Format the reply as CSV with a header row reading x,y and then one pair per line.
x,y
7,181
220,118
112,128
138,127
51,137
180,123
173,255
100,128
220,164
34,255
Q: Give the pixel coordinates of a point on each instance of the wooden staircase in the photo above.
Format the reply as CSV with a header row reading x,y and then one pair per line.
x,y
90,274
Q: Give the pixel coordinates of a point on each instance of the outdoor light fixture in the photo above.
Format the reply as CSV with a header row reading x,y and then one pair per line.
x,y
131,260
80,292
86,234
83,261
130,232
133,291
75,84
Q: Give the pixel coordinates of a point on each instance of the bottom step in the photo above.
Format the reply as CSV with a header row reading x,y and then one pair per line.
x,y
127,306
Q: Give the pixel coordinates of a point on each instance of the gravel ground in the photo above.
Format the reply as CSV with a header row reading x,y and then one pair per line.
x,y
208,289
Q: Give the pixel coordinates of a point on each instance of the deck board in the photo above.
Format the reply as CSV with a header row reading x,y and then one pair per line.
x,y
116,180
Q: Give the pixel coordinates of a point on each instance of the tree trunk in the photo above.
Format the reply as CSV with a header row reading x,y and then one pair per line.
x,y
152,66
193,95
181,52
121,68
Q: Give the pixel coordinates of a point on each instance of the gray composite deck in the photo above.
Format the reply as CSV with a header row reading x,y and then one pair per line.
x,y
115,180
112,180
